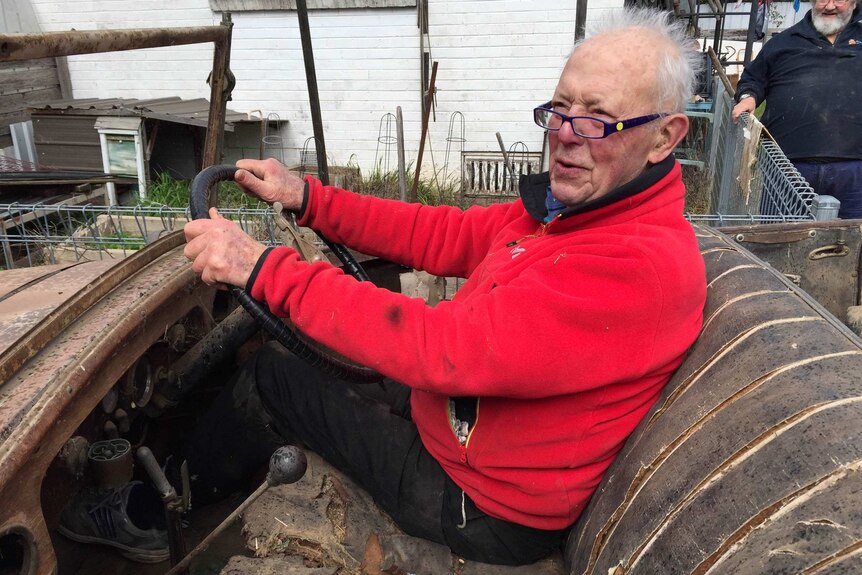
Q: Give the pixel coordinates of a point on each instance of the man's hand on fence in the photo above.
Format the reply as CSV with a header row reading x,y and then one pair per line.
x,y
746,104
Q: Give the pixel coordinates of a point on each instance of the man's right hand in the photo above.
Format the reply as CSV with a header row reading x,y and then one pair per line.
x,y
270,181
745,105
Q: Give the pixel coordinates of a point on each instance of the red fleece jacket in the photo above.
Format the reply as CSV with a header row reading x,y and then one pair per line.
x,y
566,332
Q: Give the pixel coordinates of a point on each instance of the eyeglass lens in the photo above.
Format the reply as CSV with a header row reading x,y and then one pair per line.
x,y
587,127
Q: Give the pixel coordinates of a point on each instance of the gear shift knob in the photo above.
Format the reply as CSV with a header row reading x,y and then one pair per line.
x,y
287,465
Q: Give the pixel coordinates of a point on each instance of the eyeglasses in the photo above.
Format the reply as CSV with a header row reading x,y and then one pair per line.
x,y
586,126
836,2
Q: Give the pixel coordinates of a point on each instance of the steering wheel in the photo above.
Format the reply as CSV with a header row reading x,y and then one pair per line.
x,y
296,342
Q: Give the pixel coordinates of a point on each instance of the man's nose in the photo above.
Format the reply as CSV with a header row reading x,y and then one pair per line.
x,y
567,134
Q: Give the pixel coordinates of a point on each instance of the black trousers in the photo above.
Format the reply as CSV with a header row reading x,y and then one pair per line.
x,y
366,432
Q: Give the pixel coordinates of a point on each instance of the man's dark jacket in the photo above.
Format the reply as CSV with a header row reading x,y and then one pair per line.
x,y
812,89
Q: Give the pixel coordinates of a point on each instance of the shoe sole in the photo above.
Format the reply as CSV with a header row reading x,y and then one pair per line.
x,y
131,553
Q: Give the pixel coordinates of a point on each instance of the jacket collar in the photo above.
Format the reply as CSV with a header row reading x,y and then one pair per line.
x,y
533,189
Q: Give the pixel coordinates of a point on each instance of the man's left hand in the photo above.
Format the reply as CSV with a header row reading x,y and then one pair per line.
x,y
220,251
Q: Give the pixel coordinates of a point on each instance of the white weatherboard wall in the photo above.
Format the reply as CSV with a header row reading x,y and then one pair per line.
x,y
497,60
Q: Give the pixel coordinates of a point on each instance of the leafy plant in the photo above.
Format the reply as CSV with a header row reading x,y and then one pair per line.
x,y
167,191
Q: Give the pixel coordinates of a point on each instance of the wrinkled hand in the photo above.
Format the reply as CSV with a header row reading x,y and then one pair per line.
x,y
744,105
220,251
270,181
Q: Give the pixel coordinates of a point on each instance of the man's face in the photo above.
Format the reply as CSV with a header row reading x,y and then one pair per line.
x,y
610,77
829,18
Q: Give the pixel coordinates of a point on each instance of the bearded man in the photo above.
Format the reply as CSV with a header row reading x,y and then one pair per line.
x,y
810,76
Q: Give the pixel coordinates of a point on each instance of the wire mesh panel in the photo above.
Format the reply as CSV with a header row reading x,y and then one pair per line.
x,y
752,180
33,234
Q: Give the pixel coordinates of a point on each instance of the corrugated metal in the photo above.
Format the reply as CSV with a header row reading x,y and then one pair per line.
x,y
67,142
65,135
171,109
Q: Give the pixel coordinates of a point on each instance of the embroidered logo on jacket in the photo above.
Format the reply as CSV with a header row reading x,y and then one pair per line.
x,y
516,251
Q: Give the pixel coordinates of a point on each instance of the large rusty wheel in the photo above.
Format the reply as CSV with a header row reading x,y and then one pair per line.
x,y
751,460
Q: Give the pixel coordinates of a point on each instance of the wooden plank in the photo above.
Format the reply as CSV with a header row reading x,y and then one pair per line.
x,y
67,142
18,103
71,157
28,81
26,65
23,84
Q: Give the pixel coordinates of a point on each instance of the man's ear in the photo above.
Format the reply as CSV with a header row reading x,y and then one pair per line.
x,y
671,132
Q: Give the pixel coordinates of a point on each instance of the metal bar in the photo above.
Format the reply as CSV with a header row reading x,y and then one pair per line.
x,y
16,47
221,85
580,20
427,112
313,96
506,167
402,176
719,69
7,250
749,38
205,543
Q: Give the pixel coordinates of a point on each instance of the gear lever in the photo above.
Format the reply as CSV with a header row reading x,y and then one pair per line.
x,y
287,465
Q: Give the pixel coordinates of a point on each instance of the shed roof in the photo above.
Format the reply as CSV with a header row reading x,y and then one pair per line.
x,y
172,109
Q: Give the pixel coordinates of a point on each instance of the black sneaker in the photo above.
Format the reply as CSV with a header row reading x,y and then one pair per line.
x,y
101,516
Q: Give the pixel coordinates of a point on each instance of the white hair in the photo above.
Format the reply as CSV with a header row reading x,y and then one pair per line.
x,y
678,68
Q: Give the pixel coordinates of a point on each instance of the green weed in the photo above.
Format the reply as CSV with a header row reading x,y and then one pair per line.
x,y
166,191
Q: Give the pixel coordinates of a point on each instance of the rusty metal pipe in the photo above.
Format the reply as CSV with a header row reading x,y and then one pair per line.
x,y
221,86
14,47
214,348
17,47
719,69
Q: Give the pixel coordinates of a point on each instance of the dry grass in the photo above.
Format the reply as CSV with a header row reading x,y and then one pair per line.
x,y
698,190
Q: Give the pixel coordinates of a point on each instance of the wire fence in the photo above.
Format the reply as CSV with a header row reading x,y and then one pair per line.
x,y
748,180
34,234
752,181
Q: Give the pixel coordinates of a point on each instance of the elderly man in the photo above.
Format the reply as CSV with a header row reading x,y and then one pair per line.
x,y
810,76
513,398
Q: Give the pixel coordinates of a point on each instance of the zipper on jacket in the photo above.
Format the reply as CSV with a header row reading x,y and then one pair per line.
x,y
463,414
542,230
514,243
